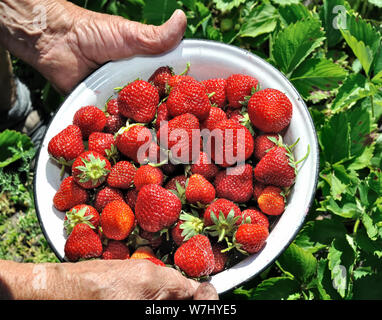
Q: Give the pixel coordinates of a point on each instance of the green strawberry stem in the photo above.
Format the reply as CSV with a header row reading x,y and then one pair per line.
x,y
186,70
303,158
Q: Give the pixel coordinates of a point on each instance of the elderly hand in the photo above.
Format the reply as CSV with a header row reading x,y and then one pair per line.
x,y
133,279
76,41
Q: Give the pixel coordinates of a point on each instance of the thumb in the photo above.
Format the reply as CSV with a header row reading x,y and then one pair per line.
x,y
149,39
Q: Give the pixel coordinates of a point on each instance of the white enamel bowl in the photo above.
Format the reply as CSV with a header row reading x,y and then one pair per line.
x,y
208,59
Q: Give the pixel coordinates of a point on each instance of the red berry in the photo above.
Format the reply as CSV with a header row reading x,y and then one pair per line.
x,y
117,220
270,110
82,243
89,119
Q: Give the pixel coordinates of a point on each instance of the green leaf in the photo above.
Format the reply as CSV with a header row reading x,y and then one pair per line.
x,y
12,146
317,75
331,13
292,45
368,287
318,234
299,262
363,39
293,13
275,288
157,12
341,258
345,209
227,5
334,139
260,20
324,281
354,88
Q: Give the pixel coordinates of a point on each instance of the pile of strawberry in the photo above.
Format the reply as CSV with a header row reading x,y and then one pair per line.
x,y
138,189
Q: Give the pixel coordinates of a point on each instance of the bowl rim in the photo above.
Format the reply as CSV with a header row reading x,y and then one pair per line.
x,y
185,42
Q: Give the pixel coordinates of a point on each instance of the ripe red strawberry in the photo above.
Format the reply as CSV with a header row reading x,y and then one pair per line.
x,y
221,258
69,194
176,233
81,213
264,143
112,107
115,249
272,201
104,144
162,115
156,208
258,188
122,175
130,139
189,97
239,86
181,135
177,78
215,116
250,238
230,143
106,195
138,101
254,216
114,122
204,166
131,198
235,185
199,190
221,218
117,220
159,79
235,114
195,257
216,89
276,168
82,243
148,174
171,184
270,110
90,169
66,146
89,119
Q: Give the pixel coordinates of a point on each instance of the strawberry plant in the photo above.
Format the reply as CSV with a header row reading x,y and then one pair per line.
x,y
331,52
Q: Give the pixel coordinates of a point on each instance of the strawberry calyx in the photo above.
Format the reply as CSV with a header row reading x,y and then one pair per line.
x,y
222,227
180,191
74,217
191,225
93,170
234,245
246,98
112,154
289,151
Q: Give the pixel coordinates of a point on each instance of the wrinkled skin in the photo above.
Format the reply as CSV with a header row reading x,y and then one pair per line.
x,y
76,41
134,279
